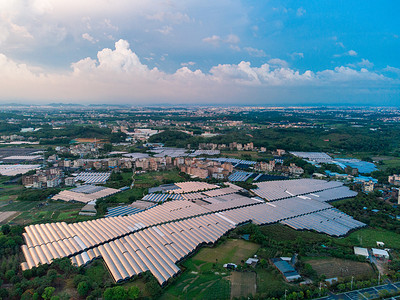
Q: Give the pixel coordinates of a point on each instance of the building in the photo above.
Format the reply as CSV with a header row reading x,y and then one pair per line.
x,y
70,181
394,179
43,178
286,269
88,210
295,170
380,253
361,251
252,261
368,186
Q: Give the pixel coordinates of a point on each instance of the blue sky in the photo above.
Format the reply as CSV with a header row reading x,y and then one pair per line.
x,y
225,52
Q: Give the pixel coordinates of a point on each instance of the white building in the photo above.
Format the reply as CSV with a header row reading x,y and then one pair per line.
x,y
361,251
380,253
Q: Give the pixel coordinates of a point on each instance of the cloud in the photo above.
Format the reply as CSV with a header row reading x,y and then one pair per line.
x,y
165,30
176,18
232,39
214,40
296,55
392,70
300,12
365,63
278,62
88,37
352,53
119,75
348,53
189,63
255,52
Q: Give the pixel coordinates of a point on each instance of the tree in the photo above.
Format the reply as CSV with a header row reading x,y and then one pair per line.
x,y
83,288
133,292
5,229
48,292
115,293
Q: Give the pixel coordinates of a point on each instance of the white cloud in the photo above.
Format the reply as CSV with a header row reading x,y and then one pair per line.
x,y
214,40
173,17
365,63
232,39
392,70
352,53
235,47
300,12
348,53
296,55
88,37
165,30
189,63
108,24
255,52
119,75
278,62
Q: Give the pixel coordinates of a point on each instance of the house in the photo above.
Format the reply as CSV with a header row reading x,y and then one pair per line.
x,y
286,269
361,251
380,253
252,261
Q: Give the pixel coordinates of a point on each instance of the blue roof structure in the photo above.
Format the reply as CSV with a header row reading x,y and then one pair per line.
x,y
240,176
125,210
161,197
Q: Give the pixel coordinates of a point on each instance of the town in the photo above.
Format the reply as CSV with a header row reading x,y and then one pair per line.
x,y
191,192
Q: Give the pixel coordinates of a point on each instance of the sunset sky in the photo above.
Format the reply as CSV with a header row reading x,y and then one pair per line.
x,y
200,52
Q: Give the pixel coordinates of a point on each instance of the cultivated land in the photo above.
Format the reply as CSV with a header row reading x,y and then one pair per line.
x,y
367,135
39,212
243,284
232,251
335,267
203,276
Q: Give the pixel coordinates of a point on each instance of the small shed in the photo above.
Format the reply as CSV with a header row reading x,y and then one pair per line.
x,y
380,253
361,251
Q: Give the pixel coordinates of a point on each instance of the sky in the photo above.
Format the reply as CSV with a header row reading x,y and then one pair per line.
x,y
200,52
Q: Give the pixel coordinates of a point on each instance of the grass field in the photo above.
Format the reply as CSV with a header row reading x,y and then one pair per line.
x,y
203,277
151,179
35,212
368,237
271,282
243,284
335,267
284,233
230,251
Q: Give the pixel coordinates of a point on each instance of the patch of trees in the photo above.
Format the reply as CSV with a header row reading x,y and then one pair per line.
x,y
384,218
36,195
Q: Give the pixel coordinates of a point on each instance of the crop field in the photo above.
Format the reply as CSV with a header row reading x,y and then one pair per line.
x,y
37,211
203,276
243,284
231,251
367,237
6,215
335,267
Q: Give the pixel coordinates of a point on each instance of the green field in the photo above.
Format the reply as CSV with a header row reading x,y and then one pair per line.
x,y
271,282
230,251
39,212
204,277
368,237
